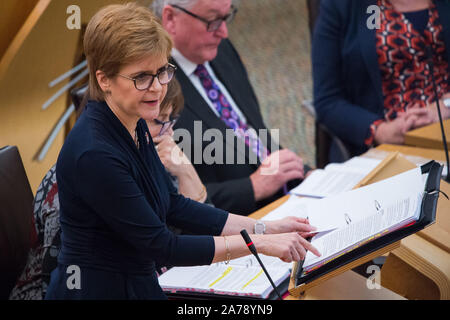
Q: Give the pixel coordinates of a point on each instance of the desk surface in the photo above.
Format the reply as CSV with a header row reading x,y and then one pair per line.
x,y
439,233
429,136
432,154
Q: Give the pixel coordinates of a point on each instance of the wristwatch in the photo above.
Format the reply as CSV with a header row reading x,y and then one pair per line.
x,y
260,227
447,102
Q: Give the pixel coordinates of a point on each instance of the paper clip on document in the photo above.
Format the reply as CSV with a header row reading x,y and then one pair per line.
x,y
347,218
378,207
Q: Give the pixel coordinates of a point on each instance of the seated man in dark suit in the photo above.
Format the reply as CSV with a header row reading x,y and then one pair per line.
x,y
218,95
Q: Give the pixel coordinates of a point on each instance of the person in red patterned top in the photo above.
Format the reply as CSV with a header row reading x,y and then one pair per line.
x,y
46,242
406,79
373,84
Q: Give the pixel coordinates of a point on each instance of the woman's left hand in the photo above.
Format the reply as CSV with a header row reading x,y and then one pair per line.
x,y
290,224
429,114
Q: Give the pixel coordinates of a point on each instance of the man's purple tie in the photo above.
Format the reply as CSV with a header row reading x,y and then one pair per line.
x,y
228,115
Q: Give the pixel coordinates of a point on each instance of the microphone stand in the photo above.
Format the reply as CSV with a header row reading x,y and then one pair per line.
x,y
444,139
252,249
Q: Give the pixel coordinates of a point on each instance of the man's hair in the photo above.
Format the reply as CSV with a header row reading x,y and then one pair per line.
x,y
158,5
118,35
174,98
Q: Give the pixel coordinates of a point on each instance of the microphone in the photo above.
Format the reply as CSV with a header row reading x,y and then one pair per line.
x,y
429,52
252,249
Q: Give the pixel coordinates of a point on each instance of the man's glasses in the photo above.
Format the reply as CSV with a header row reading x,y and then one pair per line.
x,y
211,25
144,81
165,125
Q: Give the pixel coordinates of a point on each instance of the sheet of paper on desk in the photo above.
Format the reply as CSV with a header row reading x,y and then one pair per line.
x,y
294,206
335,178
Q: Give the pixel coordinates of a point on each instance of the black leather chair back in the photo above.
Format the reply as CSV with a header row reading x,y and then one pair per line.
x,y
79,96
16,199
313,12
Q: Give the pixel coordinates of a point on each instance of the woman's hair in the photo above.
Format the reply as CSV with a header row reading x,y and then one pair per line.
x,y
118,35
174,98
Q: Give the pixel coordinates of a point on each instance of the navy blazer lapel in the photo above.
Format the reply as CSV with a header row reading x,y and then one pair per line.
x,y
367,39
443,7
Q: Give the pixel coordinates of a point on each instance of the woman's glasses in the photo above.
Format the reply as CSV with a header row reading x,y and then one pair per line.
x,y
145,80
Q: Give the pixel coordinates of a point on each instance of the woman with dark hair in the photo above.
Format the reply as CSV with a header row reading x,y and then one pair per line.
x,y
180,169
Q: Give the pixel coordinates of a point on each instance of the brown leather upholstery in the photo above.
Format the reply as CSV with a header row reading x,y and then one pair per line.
x,y
16,200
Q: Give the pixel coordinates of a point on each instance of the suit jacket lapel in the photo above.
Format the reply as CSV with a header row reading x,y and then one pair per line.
x,y
443,7
224,72
197,105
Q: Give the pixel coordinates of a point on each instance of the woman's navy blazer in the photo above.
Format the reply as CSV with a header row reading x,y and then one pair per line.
x,y
116,201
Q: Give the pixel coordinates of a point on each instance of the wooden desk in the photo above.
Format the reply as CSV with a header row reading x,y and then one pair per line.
x,y
348,285
439,233
432,154
429,136
420,267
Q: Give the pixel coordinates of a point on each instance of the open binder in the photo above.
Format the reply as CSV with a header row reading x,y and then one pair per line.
x,y
301,281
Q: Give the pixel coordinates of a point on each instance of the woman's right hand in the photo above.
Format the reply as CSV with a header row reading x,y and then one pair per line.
x,y
286,246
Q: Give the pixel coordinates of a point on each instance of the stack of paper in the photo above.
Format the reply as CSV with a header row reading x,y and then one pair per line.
x,y
241,277
335,178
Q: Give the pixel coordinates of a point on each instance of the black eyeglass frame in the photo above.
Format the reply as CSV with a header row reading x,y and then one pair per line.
x,y
227,18
165,125
169,65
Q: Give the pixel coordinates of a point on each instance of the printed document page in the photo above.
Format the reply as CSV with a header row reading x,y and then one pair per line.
x,y
352,206
399,213
294,206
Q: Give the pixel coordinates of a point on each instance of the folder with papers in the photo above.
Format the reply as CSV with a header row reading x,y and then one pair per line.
x,y
401,209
